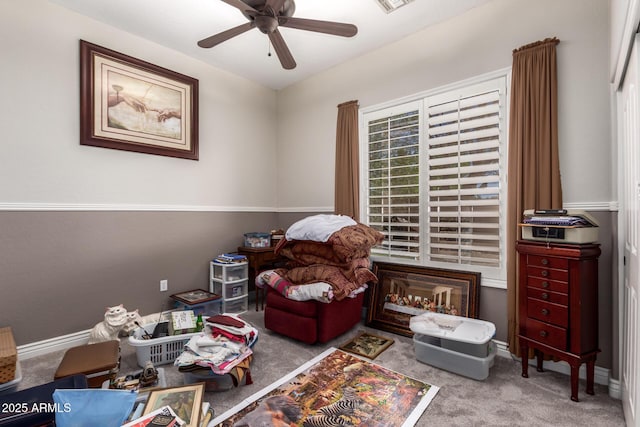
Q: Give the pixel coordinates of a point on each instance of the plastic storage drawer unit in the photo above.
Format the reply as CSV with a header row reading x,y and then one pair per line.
x,y
236,289
457,344
237,305
229,272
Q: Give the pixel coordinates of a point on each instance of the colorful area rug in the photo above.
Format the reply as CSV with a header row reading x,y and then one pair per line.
x,y
333,389
367,345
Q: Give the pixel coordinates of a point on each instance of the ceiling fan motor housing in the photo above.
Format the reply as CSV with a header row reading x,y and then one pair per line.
x,y
265,23
288,8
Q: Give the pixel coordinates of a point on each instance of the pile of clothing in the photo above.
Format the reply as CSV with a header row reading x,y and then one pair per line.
x,y
224,347
328,259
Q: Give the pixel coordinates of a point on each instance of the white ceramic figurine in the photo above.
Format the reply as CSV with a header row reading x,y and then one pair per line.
x,y
115,319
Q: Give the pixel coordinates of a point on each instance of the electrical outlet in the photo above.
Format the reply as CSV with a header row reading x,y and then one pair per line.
x,y
164,285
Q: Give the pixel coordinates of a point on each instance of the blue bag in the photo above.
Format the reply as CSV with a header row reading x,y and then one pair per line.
x,y
93,407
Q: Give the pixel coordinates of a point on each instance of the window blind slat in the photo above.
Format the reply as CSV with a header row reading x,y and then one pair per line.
x,y
464,203
463,114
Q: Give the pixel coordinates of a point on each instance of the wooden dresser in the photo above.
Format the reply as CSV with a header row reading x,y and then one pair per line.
x,y
260,259
558,306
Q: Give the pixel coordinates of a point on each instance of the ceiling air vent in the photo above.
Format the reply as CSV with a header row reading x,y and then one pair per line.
x,y
391,5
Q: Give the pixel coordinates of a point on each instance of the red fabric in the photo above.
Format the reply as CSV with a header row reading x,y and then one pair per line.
x,y
300,308
311,321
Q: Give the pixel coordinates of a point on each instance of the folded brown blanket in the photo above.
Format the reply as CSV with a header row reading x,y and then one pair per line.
x,y
342,247
341,284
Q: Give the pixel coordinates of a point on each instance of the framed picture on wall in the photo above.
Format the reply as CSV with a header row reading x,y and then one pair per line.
x,y
129,104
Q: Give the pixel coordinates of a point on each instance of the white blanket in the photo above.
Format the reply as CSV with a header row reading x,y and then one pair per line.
x,y
318,228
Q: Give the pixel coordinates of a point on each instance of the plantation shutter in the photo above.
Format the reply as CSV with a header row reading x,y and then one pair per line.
x,y
394,179
464,139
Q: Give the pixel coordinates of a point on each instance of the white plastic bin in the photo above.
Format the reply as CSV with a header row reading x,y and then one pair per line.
x,y
236,305
430,351
208,308
159,351
453,343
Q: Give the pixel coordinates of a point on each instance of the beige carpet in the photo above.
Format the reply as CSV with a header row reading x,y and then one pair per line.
x,y
503,399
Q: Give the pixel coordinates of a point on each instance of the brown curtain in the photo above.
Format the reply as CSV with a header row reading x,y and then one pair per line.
x,y
534,170
347,180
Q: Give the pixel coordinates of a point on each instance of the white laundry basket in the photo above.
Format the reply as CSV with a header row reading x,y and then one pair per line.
x,y
159,351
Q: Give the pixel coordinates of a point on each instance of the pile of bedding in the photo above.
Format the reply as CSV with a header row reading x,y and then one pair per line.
x,y
224,347
328,259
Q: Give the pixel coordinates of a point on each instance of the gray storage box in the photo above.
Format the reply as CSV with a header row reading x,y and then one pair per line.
x,y
476,350
429,350
457,344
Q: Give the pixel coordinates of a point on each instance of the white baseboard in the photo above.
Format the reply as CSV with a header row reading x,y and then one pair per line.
x,y
64,342
615,390
38,348
601,375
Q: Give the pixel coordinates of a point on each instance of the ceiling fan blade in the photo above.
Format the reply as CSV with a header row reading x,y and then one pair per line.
x,y
283,52
225,35
276,5
239,4
327,27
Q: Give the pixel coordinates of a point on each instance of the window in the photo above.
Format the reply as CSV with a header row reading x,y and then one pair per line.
x,y
434,168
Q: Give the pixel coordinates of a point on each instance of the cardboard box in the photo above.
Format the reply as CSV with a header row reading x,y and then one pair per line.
x,y
8,355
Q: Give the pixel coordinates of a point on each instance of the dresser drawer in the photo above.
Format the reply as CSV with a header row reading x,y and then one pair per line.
x,y
545,294
547,312
548,262
546,333
547,273
548,285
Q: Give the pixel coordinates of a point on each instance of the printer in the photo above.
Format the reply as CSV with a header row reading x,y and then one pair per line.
x,y
559,226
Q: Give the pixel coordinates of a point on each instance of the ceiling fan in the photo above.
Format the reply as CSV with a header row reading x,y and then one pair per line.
x,y
267,16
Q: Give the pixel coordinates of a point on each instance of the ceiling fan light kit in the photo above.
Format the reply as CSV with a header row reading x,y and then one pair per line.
x,y
267,16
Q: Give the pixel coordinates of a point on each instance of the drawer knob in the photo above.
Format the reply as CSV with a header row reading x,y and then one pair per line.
x,y
544,273
545,261
545,295
545,284
543,334
545,312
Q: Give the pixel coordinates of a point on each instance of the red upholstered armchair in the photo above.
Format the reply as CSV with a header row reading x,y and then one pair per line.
x,y
311,321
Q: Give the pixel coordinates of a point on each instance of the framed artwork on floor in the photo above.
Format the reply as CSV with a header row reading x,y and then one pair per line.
x,y
405,291
185,401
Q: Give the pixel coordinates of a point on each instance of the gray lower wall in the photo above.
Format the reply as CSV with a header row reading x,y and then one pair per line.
x,y
59,270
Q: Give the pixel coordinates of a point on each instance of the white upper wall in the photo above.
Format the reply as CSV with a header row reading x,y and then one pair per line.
x,y
478,42
42,162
